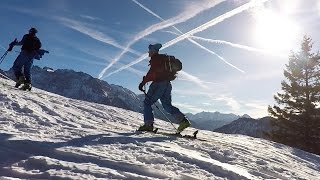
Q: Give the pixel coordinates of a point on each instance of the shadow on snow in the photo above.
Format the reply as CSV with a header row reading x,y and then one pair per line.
x,y
16,151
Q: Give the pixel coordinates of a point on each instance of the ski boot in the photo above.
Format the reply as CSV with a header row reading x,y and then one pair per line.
x,y
20,81
146,127
26,86
183,124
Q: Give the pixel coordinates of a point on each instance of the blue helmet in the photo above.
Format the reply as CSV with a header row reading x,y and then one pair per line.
x,y
154,47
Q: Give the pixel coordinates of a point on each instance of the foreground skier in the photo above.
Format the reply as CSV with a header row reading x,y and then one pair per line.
x,y
160,88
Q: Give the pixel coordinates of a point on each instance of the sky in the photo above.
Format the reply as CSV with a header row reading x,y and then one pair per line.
x,y
47,136
233,51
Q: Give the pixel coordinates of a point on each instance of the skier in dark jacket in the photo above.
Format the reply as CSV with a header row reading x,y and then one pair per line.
x,y
22,65
160,88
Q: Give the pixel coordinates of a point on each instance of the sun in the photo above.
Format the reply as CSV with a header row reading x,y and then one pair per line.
x,y
275,32
318,7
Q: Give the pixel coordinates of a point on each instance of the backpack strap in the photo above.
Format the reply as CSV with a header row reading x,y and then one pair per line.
x,y
170,67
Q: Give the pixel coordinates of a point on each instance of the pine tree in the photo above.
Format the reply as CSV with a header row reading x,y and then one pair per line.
x,y
297,116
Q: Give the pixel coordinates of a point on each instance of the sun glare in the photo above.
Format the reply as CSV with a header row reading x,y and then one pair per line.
x,y
289,6
318,7
275,32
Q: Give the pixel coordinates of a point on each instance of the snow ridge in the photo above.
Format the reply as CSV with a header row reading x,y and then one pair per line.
x,y
47,136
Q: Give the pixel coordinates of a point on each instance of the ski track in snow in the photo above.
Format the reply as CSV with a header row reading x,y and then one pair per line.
x,y
47,136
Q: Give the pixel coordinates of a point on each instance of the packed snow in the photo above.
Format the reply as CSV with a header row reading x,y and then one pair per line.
x,y
47,136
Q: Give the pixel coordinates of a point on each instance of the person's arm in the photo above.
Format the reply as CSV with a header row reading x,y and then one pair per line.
x,y
151,74
38,44
20,43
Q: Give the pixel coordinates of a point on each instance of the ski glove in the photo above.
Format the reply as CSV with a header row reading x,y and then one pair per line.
x,y
11,45
141,86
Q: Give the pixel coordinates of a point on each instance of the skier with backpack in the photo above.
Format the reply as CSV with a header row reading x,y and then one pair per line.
x,y
163,69
30,50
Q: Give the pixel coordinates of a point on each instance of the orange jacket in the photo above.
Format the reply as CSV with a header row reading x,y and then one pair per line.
x,y
156,72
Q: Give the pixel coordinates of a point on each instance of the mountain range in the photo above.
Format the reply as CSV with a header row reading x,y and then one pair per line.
x,y
211,121
82,86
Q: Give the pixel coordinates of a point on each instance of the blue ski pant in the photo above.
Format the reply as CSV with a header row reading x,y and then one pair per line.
x,y
160,90
23,62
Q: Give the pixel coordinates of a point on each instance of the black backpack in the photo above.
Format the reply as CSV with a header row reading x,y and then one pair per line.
x,y
171,66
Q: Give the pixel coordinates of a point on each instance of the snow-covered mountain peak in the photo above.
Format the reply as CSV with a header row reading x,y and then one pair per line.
x,y
48,136
246,116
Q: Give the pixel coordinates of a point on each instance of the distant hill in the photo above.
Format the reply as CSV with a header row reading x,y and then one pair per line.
x,y
248,126
79,85
212,120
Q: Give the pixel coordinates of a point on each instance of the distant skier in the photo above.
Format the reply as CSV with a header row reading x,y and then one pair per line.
x,y
160,88
22,65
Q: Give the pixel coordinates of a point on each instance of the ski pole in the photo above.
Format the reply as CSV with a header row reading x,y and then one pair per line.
x,y
161,111
3,56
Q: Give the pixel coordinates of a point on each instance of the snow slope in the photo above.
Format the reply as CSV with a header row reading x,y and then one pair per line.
x,y
47,136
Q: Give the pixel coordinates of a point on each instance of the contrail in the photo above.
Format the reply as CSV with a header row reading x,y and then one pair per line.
x,y
147,9
240,46
137,72
220,57
194,42
196,30
194,79
187,14
92,53
97,35
213,22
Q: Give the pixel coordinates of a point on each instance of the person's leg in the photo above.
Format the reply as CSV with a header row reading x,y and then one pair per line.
x,y
17,66
166,102
154,93
27,70
176,113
